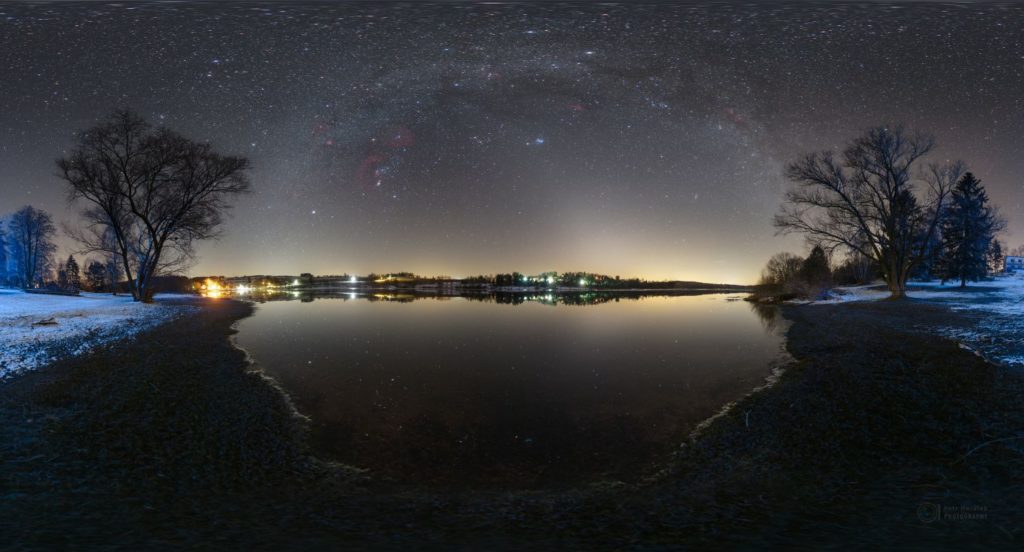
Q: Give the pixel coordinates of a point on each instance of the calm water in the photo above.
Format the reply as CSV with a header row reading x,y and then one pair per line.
x,y
456,390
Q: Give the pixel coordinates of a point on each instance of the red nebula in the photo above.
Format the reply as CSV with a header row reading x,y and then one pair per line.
x,y
735,116
385,148
367,172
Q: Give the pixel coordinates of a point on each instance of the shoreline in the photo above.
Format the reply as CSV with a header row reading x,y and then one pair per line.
x,y
837,440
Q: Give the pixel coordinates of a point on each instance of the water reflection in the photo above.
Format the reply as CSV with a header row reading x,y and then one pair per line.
x,y
464,389
579,298
768,315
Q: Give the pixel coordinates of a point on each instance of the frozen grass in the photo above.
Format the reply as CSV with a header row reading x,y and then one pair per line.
x,y
38,329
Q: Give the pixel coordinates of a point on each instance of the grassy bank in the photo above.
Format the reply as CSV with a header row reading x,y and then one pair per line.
x,y
172,440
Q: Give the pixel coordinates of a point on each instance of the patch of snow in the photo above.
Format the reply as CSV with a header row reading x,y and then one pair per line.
x,y
999,332
848,294
79,324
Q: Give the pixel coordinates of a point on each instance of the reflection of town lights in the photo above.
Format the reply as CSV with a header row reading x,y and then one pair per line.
x,y
242,289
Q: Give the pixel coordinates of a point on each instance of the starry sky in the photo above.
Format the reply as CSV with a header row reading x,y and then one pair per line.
x,y
460,138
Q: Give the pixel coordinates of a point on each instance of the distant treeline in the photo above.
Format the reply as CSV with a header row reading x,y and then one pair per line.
x,y
588,280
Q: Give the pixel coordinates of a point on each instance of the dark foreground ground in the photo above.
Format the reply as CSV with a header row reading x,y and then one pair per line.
x,y
879,434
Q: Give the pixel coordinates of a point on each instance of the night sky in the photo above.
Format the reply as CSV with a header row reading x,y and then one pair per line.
x,y
477,138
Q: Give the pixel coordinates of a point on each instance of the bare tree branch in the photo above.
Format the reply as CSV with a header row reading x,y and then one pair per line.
x,y
869,203
150,194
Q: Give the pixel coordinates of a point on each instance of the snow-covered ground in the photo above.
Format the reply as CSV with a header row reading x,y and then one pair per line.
x,y
999,304
78,325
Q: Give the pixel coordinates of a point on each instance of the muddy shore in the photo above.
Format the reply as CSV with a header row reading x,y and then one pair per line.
x,y
879,433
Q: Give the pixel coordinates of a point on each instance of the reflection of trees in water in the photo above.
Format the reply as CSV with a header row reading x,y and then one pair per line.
x,y
768,315
586,298
577,298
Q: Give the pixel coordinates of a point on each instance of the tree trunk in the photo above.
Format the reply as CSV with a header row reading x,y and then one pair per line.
x,y
145,284
145,295
128,277
963,283
898,286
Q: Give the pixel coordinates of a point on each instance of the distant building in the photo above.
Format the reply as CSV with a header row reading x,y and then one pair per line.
x,y
1013,263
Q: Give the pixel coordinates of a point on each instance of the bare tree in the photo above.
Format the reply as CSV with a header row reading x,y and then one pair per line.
x,y
780,270
150,194
32,232
115,269
4,272
870,202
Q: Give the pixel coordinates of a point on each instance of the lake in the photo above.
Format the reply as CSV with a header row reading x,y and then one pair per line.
x,y
531,391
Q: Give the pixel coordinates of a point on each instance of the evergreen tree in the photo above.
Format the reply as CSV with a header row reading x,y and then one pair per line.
x,y
968,228
996,258
815,270
73,274
96,275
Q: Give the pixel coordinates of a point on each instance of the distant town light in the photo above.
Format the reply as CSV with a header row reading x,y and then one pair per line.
x,y
242,289
551,279
583,282
353,280
295,282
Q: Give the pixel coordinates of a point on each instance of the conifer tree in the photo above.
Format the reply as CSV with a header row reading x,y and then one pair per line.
x,y
96,275
815,270
74,275
996,257
968,228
